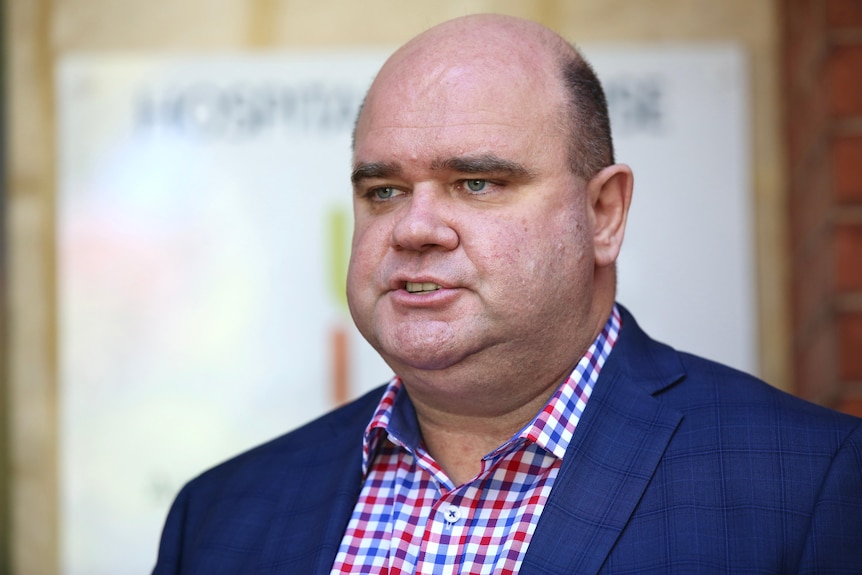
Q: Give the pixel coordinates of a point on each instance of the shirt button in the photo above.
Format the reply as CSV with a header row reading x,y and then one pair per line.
x,y
452,514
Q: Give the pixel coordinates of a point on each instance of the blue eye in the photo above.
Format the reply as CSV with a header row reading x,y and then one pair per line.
x,y
384,193
476,185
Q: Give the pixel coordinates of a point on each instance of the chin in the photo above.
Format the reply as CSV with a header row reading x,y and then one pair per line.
x,y
421,359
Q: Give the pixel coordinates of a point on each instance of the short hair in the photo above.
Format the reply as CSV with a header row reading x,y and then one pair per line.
x,y
592,146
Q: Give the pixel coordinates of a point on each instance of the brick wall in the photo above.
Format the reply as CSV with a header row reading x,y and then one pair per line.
x,y
822,47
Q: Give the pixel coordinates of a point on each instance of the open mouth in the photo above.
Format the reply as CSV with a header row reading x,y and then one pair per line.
x,y
421,287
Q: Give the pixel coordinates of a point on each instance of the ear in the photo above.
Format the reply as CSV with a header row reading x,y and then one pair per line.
x,y
610,194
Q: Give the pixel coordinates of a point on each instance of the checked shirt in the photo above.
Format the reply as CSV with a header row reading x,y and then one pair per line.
x,y
410,518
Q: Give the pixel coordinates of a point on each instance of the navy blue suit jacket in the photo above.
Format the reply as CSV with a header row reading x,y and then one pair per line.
x,y
678,465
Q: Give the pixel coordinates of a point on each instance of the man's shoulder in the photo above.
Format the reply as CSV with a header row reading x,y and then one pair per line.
x,y
336,434
708,393
288,489
741,411
743,393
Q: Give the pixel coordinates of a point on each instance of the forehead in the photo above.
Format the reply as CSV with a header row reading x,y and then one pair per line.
x,y
434,106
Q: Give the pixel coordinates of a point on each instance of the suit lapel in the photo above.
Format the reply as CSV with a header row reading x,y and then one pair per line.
x,y
615,450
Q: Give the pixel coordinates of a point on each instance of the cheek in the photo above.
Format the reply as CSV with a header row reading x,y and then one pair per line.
x,y
496,245
539,255
360,284
507,259
369,240
362,264
535,243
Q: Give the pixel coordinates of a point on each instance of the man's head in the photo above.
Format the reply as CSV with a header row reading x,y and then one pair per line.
x,y
485,239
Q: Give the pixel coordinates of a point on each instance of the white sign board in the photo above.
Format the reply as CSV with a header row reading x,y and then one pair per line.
x,y
204,222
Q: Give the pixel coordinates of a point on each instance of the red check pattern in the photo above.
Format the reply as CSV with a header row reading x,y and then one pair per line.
x,y
410,518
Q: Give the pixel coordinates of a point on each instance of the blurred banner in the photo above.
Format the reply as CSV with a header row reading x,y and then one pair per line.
x,y
204,217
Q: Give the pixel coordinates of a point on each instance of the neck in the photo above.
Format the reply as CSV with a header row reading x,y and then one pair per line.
x,y
459,442
465,413
459,429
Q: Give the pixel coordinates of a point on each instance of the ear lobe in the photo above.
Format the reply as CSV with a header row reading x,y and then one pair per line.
x,y
610,193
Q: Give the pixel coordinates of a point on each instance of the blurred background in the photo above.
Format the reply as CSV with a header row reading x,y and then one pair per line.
x,y
172,279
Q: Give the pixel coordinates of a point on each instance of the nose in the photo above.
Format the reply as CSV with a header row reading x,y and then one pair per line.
x,y
423,223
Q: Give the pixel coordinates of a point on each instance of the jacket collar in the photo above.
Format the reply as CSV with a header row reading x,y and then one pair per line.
x,y
618,444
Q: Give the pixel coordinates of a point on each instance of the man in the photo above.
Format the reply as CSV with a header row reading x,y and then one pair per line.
x,y
532,427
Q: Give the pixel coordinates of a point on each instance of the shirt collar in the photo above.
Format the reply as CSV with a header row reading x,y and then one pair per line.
x,y
551,429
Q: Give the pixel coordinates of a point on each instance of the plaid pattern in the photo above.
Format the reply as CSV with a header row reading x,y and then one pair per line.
x,y
410,518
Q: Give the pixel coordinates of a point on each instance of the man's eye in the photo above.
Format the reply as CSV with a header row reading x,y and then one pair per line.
x,y
476,185
385,193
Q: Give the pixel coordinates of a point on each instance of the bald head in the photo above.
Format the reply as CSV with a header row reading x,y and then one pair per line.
x,y
508,54
520,46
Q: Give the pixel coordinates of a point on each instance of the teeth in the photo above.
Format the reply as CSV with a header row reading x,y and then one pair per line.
x,y
414,287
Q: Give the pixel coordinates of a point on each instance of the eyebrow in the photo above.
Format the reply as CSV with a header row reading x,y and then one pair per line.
x,y
484,164
382,170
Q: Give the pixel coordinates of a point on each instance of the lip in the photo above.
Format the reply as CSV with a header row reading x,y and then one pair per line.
x,y
400,282
437,298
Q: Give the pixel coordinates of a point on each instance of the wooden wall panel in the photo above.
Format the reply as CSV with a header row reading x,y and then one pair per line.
x,y
31,368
